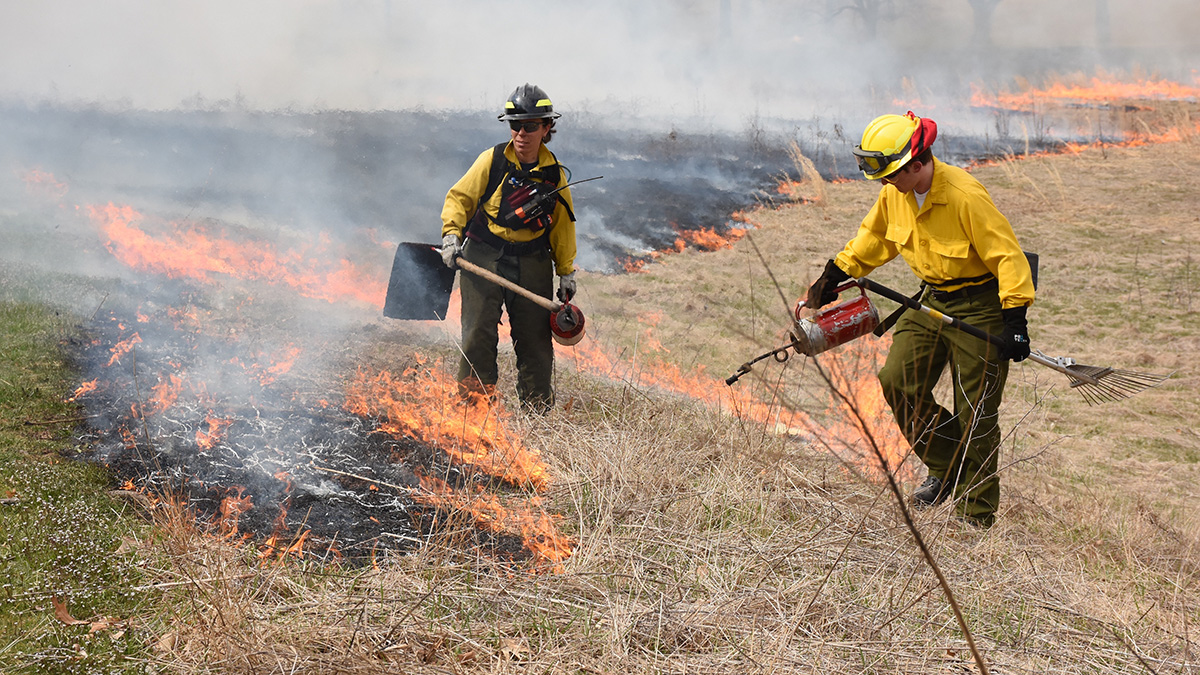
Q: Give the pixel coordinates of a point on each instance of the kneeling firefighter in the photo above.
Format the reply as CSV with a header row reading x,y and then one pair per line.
x,y
502,209
944,224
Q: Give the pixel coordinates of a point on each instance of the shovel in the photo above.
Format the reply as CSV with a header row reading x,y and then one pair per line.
x,y
420,285
1097,384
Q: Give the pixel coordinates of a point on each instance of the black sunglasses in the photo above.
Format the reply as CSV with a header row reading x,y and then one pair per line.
x,y
529,127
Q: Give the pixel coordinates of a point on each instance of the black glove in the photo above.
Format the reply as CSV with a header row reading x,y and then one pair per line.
x,y
821,293
1016,334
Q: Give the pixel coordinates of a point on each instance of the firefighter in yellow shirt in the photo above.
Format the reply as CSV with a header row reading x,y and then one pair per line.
x,y
490,209
944,224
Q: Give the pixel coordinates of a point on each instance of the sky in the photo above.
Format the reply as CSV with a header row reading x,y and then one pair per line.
x,y
706,58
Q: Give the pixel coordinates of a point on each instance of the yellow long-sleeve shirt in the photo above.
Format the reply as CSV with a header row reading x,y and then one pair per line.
x,y
464,196
957,234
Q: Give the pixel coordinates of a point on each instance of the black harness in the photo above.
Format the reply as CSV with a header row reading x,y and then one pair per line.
x,y
512,179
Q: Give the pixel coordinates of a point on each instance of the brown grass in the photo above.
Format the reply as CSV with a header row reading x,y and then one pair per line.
x,y
709,544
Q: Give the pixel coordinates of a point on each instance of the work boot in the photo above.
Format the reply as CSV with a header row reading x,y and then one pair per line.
x,y
931,493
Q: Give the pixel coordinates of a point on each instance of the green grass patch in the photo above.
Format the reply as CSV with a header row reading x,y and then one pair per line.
x,y
60,531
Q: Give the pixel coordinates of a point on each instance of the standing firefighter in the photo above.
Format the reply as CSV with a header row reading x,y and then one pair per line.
x,y
508,230
942,220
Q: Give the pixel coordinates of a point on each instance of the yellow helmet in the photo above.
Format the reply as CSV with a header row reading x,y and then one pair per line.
x,y
890,141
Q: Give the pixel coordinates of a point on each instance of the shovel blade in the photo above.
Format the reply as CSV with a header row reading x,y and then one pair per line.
x,y
420,284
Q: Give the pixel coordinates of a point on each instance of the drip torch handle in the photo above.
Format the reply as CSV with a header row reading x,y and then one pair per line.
x,y
505,283
800,304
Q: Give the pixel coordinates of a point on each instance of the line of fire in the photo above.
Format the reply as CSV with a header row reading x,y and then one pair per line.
x,y
201,391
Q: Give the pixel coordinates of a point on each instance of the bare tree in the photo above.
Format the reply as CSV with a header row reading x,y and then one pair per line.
x,y
869,12
984,9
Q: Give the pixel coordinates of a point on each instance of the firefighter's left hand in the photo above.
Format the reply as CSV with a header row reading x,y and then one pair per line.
x,y
566,287
1016,334
821,293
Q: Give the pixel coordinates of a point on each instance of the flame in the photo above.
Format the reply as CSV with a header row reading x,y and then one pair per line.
x,y
852,369
124,347
83,389
1101,89
372,234
863,416
706,238
538,529
423,404
281,364
230,512
44,183
591,357
216,430
633,265
272,551
164,394
201,252
286,360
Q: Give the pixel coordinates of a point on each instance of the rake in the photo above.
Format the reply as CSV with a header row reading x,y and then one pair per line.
x,y
1097,384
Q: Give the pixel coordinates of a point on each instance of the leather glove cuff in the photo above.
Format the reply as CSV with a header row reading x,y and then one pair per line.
x,y
834,274
1014,319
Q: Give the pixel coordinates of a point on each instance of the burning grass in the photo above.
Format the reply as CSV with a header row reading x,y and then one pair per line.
x,y
703,546
701,541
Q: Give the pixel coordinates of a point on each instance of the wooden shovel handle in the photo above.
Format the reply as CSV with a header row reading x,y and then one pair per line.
x,y
501,281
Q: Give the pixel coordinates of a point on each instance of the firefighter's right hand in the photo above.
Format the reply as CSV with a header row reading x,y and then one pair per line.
x,y
821,293
451,248
566,287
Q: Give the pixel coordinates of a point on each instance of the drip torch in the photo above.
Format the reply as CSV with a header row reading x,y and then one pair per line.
x,y
855,318
827,329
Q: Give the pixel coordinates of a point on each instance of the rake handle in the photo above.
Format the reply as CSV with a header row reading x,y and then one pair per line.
x,y
967,328
914,304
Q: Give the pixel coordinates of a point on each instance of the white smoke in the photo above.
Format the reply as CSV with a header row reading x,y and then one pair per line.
x,y
719,59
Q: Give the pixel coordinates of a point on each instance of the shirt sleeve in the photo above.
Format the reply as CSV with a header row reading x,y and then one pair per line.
x,y
463,197
996,244
870,247
562,232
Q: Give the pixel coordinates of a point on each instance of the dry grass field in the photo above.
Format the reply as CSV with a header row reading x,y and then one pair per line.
x,y
709,543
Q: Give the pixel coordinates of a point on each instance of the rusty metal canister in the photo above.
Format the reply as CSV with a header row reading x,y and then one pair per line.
x,y
837,325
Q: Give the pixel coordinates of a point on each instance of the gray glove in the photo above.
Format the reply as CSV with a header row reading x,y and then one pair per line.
x,y
566,287
451,247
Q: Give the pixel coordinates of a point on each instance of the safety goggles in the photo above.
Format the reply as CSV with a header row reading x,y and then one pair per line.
x,y
873,162
529,126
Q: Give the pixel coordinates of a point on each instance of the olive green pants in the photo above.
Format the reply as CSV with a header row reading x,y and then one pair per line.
x,y
529,323
962,447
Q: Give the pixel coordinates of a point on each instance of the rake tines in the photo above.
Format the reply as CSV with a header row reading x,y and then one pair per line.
x,y
1100,384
